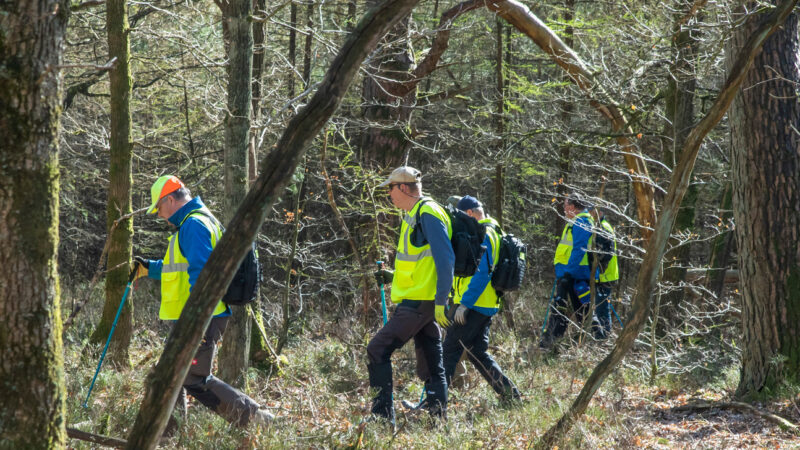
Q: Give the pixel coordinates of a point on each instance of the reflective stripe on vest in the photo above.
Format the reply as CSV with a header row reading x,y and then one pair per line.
x,y
564,249
612,271
488,298
414,269
175,287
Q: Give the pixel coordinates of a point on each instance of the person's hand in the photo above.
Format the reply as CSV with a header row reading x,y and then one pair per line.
x,y
142,267
583,290
460,316
384,276
441,317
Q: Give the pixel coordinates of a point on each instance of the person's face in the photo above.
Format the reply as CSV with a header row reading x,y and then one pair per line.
x,y
569,210
396,194
166,207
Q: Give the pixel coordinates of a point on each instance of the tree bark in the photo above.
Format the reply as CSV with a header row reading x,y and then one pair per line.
x,y
566,115
679,183
31,355
384,142
764,121
235,350
119,189
276,171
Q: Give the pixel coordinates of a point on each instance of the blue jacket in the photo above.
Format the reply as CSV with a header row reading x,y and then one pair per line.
x,y
195,241
581,233
480,280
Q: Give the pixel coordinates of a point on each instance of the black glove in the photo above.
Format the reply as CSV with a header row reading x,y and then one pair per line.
x,y
141,266
142,261
384,276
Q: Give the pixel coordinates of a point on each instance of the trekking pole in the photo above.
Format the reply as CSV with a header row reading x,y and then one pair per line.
x,y
622,325
111,333
549,302
383,294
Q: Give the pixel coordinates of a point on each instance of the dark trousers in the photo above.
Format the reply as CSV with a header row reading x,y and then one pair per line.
x,y
602,311
474,338
225,400
411,319
565,300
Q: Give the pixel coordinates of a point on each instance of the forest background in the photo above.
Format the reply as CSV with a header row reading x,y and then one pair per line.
x,y
467,93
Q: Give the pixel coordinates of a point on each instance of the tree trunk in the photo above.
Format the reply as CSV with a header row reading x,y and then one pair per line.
x,y
566,114
680,118
259,352
679,183
384,142
235,350
276,171
31,355
119,189
721,246
764,121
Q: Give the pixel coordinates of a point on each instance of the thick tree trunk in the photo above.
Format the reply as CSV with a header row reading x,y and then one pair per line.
x,y
119,189
679,183
276,171
764,121
384,142
235,350
32,413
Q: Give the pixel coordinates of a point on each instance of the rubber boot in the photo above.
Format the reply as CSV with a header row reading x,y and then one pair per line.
x,y
380,379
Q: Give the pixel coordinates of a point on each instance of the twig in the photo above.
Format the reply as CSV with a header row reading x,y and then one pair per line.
x,y
784,424
107,66
96,438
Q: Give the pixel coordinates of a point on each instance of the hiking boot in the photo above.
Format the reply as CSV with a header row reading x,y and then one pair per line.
x,y
262,418
547,342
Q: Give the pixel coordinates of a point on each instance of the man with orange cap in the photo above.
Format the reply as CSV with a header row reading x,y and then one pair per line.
x,y
198,232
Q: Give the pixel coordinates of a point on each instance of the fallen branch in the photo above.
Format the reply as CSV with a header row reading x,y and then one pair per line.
x,y
784,424
96,438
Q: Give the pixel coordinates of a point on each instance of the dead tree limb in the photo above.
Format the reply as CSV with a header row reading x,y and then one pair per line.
x,y
656,246
784,424
96,438
276,171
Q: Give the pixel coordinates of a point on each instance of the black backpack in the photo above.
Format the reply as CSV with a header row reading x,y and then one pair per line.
x,y
467,239
509,269
243,289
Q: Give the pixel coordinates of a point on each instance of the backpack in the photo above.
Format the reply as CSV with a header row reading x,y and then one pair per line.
x,y
243,289
467,239
509,269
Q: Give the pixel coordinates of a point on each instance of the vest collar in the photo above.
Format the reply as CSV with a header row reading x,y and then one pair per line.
x,y
180,215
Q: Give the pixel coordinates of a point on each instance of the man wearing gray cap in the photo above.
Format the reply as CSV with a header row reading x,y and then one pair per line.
x,y
423,275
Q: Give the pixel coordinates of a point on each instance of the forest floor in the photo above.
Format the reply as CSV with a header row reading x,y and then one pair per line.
x,y
321,395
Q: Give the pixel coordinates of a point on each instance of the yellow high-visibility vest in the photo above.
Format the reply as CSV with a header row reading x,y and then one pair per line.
x,y
564,249
488,298
414,269
612,271
175,272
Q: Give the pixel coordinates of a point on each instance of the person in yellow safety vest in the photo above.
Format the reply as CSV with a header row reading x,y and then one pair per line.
x,y
573,270
198,232
606,254
477,303
421,282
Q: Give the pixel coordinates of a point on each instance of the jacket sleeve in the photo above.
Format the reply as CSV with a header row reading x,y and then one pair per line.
x,y
581,233
481,278
443,257
154,268
195,242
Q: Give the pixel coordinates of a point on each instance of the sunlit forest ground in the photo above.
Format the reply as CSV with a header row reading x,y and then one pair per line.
x,y
321,393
